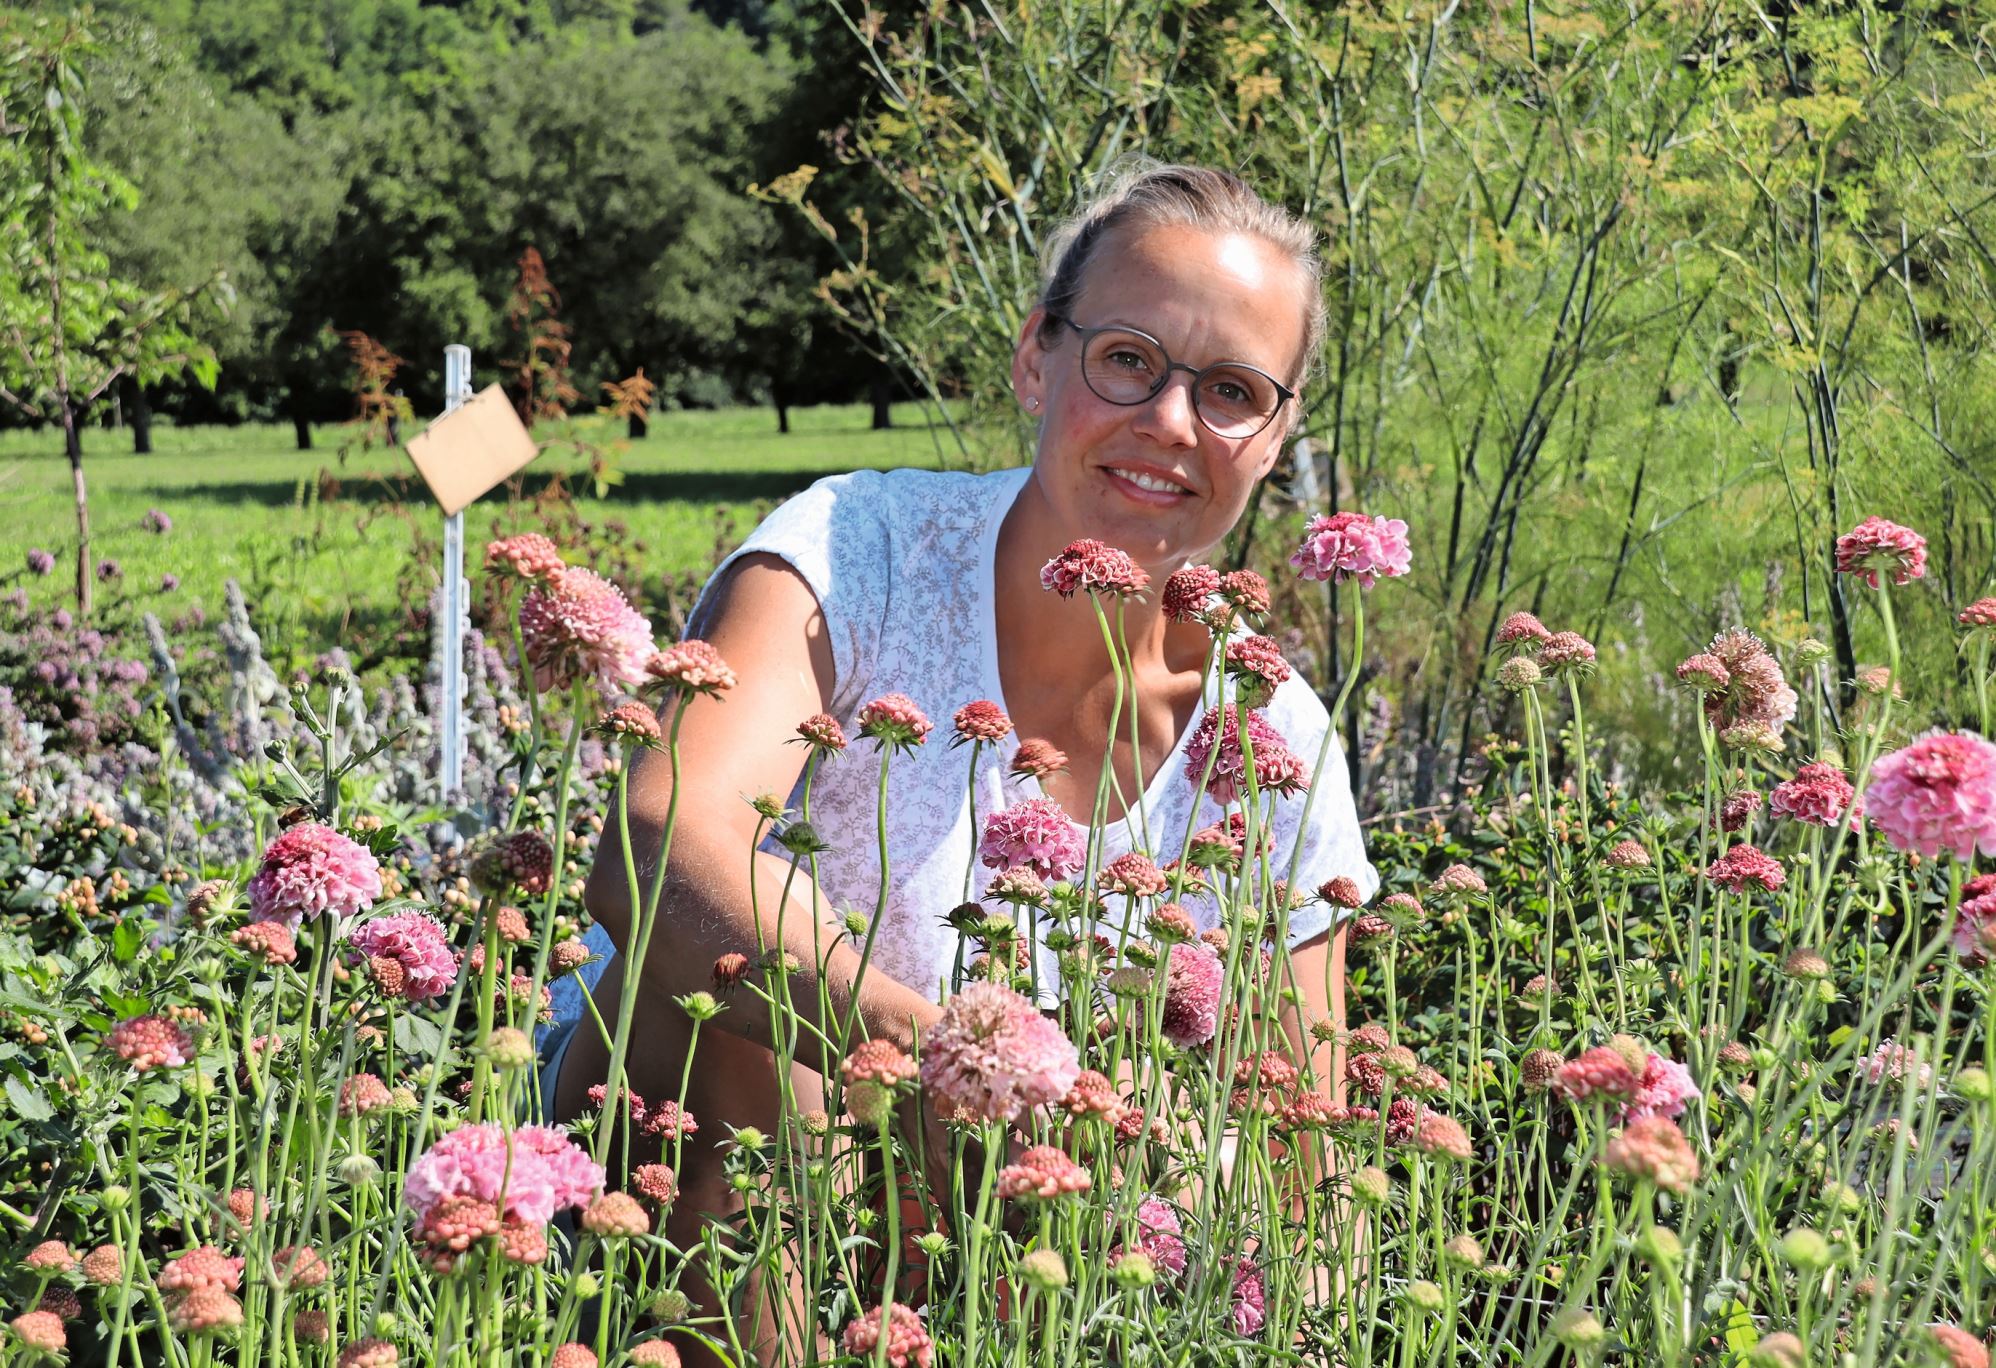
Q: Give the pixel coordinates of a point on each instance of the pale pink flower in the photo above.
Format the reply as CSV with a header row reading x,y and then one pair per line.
x,y
1654,1149
202,1266
981,720
416,942
1957,1347
1249,1310
908,1344
1665,1088
993,1055
1600,1072
310,870
1894,1063
1276,767
1160,1235
537,1169
1567,651
40,1331
1257,666
1133,874
578,626
1036,833
1875,545
1705,673
1743,865
1043,1173
1522,630
1818,795
822,731
895,721
1353,546
1036,758
1975,929
1937,794
1246,592
690,667
1191,996
1088,566
528,555
1755,691
1439,1134
151,1042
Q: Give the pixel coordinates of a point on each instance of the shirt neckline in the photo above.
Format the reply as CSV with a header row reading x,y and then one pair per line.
x,y
1158,782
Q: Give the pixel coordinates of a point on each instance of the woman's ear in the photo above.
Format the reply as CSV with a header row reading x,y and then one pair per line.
x,y
1029,359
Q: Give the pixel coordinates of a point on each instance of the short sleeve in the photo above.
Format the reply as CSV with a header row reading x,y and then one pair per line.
x,y
835,535
1333,843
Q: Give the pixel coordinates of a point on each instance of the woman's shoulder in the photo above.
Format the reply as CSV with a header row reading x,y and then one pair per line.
x,y
907,495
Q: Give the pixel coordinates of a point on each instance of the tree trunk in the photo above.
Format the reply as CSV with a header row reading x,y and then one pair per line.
x,y
639,426
141,420
779,394
302,426
72,443
114,418
883,396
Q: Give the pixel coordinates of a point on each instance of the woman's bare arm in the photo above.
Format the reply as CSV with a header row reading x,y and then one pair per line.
x,y
766,623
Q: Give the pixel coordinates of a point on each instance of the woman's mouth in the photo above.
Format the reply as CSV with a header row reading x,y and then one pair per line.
x,y
1146,487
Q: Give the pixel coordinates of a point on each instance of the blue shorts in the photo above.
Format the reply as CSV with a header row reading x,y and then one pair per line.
x,y
570,1011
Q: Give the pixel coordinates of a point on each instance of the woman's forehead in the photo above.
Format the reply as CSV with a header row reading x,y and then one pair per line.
x,y
1230,296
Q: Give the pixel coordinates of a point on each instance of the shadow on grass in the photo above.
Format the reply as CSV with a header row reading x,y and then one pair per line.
x,y
705,486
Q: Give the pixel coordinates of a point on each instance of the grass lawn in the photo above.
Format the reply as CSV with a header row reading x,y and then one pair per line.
x,y
323,541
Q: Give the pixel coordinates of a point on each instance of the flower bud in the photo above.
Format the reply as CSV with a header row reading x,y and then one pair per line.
x,y
933,1243
701,1006
115,1197
1371,1187
1576,1328
669,1305
358,1170
1426,1297
1134,1270
1972,1084
1044,1269
1806,1249
1660,1246
587,1284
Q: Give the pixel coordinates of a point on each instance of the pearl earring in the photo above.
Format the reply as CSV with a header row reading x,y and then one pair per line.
x,y
1033,404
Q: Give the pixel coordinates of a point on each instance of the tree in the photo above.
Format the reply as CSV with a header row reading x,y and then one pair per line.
x,y
73,329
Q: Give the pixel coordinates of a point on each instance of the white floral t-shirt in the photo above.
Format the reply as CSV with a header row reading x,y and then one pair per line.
x,y
901,563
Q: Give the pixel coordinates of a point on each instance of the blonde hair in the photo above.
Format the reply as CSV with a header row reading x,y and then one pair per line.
x,y
1140,192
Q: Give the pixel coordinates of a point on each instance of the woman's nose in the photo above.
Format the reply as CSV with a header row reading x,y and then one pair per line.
x,y
1168,416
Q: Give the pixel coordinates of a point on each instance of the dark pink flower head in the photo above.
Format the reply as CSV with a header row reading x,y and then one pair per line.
x,y
1191,995
1256,665
1246,592
1042,1174
1746,865
895,722
1875,545
822,731
1036,833
1341,890
1522,630
1818,795
1654,1149
1704,672
419,944
1567,651
1738,809
1937,794
1249,1310
1755,691
310,870
1975,929
1352,546
1979,614
1160,1235
1276,767
1189,591
1036,758
578,627
1664,1089
1087,566
993,1055
983,721
690,667
528,555
1600,1072
1132,874
151,1042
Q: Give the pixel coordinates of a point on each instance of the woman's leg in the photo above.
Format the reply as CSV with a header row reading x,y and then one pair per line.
x,y
732,1081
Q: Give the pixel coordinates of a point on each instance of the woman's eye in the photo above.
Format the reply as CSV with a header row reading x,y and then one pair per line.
x,y
1230,392
1129,360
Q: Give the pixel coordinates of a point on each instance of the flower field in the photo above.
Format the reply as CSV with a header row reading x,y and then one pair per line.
x,y
1697,1077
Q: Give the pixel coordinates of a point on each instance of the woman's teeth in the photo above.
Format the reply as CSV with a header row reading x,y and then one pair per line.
x,y
1151,482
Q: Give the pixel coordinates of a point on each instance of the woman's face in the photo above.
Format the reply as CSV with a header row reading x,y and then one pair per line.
x,y
1207,297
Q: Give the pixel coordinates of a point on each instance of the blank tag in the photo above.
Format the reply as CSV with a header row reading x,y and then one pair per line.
x,y
466,452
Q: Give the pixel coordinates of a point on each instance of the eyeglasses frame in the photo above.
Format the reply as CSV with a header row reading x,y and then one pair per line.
x,y
1197,373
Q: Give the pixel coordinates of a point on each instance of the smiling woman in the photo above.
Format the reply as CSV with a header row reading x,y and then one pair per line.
x,y
1178,316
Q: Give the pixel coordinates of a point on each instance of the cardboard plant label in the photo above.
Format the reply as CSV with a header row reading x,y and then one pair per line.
x,y
471,449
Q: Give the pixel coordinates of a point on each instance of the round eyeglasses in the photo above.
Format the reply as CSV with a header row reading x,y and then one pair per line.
x,y
1126,367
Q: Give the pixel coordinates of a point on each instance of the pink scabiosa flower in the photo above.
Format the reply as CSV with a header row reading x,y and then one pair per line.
x,y
369,1353
981,720
527,556
1738,809
1663,1091
1088,566
51,1256
1352,546
151,1042
1191,995
1656,1150
204,1311
572,1355
1246,592
1248,1311
1037,758
1956,1348
1567,652
1894,1064
1975,929
202,1266
894,722
523,860
1035,833
1132,874
1876,544
271,942
1276,767
363,1094
1160,1235
616,1215
1092,1095
1600,1072
310,870
822,732
1458,881
1818,795
40,1332
1704,672
537,1169
1937,794
1627,855
634,723
418,945
1743,866
690,667
1522,631
577,626
908,1344
1042,1174
1341,891
1257,668
871,1073
1189,591
993,1055
1979,614
1755,695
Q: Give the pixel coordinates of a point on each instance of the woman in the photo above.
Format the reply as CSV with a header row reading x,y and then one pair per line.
x,y
1178,317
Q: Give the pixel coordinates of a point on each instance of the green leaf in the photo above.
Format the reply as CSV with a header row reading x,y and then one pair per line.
x,y
126,940
1741,1336
28,1103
